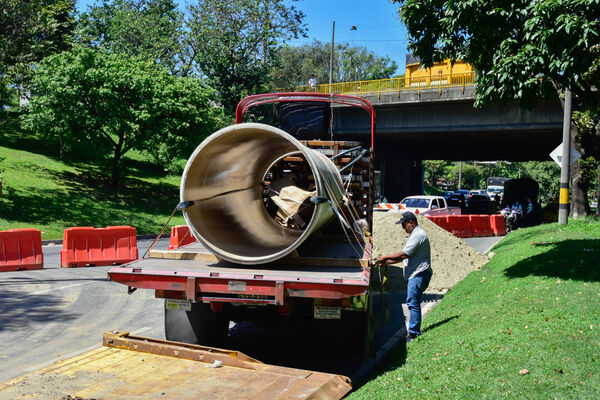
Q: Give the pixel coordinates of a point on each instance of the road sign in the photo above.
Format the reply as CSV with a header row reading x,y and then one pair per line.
x,y
556,155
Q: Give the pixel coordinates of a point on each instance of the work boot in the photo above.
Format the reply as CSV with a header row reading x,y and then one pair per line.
x,y
410,337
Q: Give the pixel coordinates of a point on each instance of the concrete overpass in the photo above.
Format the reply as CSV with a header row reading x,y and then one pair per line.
x,y
418,125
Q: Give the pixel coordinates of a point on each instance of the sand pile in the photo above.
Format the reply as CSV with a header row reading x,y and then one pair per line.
x,y
451,258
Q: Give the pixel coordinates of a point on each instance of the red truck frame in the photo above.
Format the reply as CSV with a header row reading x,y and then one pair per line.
x,y
189,280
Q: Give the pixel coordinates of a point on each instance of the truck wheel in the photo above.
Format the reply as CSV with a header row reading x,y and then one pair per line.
x,y
198,326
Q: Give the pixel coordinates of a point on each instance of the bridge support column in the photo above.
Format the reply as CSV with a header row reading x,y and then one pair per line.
x,y
400,176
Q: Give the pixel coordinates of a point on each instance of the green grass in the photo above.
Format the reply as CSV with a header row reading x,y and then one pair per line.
x,y
40,191
534,306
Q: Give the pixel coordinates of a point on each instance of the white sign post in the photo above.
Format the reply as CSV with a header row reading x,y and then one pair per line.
x,y
556,155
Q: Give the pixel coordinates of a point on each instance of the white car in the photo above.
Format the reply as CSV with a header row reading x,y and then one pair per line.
x,y
427,205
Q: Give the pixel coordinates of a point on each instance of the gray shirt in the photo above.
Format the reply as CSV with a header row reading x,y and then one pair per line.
x,y
418,251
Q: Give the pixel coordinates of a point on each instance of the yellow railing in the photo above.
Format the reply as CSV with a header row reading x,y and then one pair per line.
x,y
359,88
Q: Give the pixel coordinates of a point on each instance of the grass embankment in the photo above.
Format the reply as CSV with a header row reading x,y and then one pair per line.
x,y
526,326
41,191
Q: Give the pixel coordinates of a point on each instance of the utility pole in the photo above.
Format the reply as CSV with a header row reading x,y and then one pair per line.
x,y
331,59
563,201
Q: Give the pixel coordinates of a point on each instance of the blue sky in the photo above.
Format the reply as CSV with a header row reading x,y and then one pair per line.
x,y
378,27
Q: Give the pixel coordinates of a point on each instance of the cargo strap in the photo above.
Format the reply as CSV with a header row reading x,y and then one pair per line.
x,y
382,307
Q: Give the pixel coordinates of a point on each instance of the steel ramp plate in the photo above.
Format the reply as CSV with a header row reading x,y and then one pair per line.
x,y
140,368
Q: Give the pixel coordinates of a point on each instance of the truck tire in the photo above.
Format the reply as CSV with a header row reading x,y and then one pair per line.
x,y
200,325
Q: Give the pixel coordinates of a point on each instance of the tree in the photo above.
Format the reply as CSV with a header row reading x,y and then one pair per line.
x,y
115,103
351,63
4,91
471,175
588,132
520,50
502,169
149,28
33,29
547,175
295,65
234,42
29,31
435,169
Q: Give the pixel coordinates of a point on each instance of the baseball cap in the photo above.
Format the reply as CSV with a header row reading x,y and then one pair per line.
x,y
407,216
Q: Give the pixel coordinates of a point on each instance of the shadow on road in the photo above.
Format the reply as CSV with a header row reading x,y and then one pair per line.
x,y
19,309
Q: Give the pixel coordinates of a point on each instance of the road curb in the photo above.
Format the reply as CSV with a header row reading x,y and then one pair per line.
x,y
138,237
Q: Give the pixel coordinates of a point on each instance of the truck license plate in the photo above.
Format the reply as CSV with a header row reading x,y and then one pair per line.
x,y
236,286
183,305
322,312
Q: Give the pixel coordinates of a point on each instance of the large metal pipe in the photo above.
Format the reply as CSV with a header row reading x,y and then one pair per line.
x,y
225,177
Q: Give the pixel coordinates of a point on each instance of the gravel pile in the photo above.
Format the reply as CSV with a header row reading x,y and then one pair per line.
x,y
451,258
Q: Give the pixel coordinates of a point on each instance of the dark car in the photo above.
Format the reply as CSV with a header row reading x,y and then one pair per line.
x,y
456,200
479,204
447,194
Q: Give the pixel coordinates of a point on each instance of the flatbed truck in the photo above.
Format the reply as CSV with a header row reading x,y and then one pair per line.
x,y
327,277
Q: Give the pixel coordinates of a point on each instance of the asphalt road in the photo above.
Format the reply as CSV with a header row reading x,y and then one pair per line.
x,y
56,313
482,244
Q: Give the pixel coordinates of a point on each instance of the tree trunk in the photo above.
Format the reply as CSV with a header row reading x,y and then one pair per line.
x,y
579,201
116,161
579,204
61,150
598,196
115,171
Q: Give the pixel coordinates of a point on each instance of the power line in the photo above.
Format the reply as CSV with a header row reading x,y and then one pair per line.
x,y
357,40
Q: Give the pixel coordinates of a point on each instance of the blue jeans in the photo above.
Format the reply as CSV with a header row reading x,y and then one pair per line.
x,y
415,288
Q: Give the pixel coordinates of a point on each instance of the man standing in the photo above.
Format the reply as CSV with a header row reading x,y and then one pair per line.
x,y
416,256
312,82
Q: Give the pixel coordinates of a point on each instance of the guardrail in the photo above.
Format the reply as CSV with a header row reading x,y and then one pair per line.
x,y
378,86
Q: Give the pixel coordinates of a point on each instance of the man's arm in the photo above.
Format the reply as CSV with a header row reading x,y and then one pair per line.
x,y
392,258
410,247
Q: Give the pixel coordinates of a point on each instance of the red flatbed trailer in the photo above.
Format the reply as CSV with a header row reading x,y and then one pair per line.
x,y
191,273
322,279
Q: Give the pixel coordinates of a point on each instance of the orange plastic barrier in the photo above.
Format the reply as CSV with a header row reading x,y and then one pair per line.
x,y
481,226
21,249
83,246
439,220
180,236
460,226
433,218
443,223
497,223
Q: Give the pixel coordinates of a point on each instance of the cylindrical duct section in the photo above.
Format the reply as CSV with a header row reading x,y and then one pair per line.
x,y
252,185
